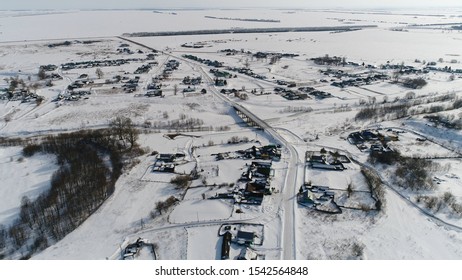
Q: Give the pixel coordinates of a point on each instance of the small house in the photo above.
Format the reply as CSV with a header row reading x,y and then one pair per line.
x,y
245,237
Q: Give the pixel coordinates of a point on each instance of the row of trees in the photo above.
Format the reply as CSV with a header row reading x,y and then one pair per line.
x,y
409,107
330,60
378,111
376,186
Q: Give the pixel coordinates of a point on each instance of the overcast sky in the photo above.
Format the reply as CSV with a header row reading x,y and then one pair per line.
x,y
136,4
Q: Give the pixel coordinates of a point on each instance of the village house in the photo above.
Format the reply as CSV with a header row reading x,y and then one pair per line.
x,y
245,238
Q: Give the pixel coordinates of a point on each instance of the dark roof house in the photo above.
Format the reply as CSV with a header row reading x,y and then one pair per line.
x,y
245,237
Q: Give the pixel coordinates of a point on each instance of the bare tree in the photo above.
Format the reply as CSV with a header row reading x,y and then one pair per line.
x,y
396,75
124,129
99,73
246,63
175,89
34,87
41,74
160,205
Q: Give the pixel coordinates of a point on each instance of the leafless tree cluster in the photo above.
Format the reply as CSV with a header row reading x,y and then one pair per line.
x,y
414,173
80,185
376,186
162,206
379,111
181,181
125,131
435,203
409,106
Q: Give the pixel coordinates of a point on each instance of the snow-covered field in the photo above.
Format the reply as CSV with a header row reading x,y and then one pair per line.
x,y
189,229
22,177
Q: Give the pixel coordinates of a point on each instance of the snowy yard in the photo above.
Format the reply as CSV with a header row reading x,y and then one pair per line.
x,y
189,211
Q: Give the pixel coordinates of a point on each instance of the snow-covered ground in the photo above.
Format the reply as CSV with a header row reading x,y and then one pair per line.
x,y
22,177
189,229
412,236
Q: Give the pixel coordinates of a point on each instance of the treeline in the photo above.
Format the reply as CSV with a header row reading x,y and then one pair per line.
x,y
183,123
83,181
451,121
329,60
248,30
408,107
375,111
245,19
376,187
11,142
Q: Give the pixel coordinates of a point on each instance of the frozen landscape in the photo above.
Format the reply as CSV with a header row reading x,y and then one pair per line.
x,y
231,134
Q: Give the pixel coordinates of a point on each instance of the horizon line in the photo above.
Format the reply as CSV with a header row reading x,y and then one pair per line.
x,y
241,8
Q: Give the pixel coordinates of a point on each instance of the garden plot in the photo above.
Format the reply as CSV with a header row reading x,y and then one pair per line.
x,y
337,179
158,142
448,137
345,189
199,192
22,177
185,168
356,199
223,171
201,210
160,177
204,243
217,148
170,244
411,144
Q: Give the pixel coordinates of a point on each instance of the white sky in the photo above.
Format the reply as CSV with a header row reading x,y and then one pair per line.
x,y
135,4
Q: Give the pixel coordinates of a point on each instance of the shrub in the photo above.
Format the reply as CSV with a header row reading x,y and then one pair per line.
x,y
416,83
388,158
234,140
30,150
457,104
449,198
357,250
163,206
181,181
